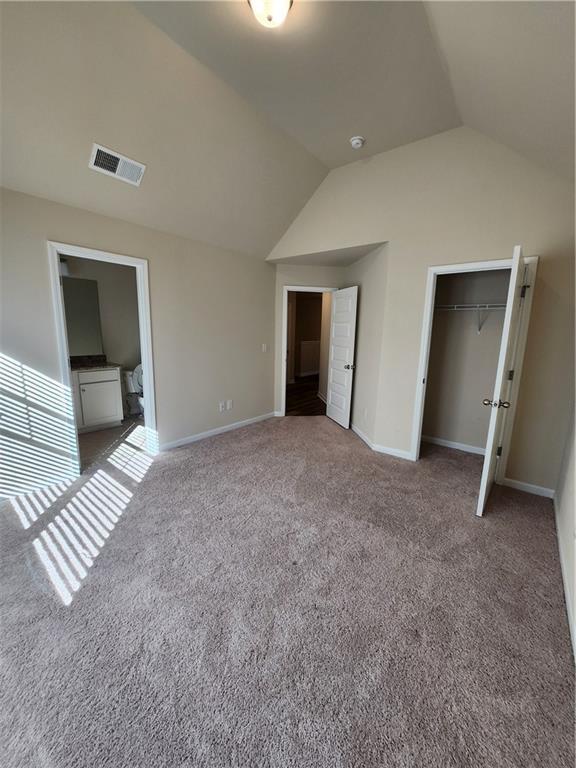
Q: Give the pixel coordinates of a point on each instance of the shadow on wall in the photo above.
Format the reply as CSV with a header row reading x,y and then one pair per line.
x,y
39,464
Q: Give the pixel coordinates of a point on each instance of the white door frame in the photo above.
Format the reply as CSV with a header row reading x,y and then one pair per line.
x,y
55,250
433,272
289,289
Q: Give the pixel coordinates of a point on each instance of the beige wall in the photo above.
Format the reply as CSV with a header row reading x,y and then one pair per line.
x,y
118,299
565,502
211,311
369,274
457,197
461,374
325,344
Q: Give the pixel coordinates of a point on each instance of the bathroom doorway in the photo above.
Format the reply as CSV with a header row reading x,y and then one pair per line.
x,y
102,312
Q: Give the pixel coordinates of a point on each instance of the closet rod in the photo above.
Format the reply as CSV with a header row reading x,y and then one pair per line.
x,y
479,308
464,307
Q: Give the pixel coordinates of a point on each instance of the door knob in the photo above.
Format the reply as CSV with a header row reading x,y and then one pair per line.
x,y
499,404
349,367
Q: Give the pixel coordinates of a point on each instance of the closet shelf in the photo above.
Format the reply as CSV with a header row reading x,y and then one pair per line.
x,y
464,307
479,308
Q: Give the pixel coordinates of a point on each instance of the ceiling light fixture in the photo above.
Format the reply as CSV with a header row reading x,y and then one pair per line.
x,y
270,13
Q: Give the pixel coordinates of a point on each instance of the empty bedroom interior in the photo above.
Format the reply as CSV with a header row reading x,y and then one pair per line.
x,y
287,384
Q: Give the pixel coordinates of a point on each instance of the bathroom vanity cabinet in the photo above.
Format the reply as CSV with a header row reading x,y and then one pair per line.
x,y
97,395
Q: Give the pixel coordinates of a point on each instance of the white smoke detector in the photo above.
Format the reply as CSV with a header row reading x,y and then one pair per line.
x,y
357,142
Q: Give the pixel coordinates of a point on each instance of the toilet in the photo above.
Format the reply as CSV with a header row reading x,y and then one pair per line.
x,y
134,390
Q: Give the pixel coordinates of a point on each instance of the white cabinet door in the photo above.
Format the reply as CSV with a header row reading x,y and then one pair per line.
x,y
101,402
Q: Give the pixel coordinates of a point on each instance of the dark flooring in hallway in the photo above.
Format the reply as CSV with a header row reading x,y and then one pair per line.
x,y
302,398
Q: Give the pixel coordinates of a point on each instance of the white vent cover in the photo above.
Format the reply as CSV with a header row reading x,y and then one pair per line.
x,y
114,164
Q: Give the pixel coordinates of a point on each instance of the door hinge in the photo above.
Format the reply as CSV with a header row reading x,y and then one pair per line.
x,y
499,451
523,291
510,375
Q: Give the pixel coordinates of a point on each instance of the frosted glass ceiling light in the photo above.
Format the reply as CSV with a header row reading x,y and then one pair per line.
x,y
270,13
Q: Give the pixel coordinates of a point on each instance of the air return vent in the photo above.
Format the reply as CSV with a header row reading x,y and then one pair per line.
x,y
113,164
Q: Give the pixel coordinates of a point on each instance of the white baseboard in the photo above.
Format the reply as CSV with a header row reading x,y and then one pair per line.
x,y
452,444
277,413
397,452
361,435
566,576
321,396
537,490
217,431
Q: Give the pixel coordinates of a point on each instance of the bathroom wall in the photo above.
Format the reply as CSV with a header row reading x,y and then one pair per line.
x,y
308,326
118,299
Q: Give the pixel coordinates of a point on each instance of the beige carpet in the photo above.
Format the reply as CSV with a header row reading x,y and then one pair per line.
x,y
280,596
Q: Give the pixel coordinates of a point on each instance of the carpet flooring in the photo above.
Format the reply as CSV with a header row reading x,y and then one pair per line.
x,y
282,597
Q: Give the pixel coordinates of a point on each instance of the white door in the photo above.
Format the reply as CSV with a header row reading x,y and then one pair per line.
x,y
341,358
499,406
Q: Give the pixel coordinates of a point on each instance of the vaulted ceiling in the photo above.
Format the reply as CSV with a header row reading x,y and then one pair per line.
x,y
511,65
333,70
395,72
238,124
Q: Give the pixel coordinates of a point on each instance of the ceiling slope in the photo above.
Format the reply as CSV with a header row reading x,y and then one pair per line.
x,y
78,73
333,70
511,65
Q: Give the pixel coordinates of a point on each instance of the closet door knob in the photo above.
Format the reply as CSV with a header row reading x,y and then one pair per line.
x,y
499,404
349,367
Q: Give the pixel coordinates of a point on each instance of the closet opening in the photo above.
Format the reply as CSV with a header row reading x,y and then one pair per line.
x,y
468,319
474,334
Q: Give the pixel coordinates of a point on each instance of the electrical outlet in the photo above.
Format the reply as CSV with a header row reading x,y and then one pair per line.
x,y
222,406
229,404
264,347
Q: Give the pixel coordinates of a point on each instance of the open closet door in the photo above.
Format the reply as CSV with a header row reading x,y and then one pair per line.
x,y
507,351
341,358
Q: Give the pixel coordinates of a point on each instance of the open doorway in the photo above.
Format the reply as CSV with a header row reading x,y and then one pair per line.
x,y
102,327
307,347
306,342
103,324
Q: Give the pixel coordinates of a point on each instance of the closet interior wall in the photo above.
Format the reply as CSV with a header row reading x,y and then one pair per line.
x,y
464,352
